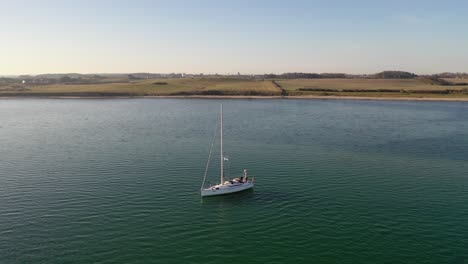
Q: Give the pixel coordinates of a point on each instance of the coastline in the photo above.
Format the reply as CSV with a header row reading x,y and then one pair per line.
x,y
307,97
232,88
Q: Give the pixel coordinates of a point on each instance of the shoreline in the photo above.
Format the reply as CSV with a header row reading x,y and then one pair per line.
x,y
307,97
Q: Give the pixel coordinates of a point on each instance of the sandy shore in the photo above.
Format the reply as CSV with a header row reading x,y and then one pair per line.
x,y
311,97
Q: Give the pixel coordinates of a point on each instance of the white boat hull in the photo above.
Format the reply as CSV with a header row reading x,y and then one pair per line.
x,y
222,189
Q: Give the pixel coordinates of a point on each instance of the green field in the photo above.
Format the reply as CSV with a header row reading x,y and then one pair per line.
x,y
231,87
180,86
371,87
457,80
362,84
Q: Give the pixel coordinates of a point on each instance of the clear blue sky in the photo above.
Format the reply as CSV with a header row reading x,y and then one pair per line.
x,y
233,36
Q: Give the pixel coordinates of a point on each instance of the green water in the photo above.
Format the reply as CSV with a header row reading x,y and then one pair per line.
x,y
117,181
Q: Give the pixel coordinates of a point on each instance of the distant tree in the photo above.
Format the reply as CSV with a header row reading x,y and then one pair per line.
x,y
270,76
394,75
65,79
304,75
9,80
300,75
332,75
133,77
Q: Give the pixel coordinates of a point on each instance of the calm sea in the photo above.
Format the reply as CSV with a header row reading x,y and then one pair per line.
x,y
117,181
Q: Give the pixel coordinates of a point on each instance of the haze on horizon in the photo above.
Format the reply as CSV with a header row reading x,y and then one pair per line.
x,y
229,37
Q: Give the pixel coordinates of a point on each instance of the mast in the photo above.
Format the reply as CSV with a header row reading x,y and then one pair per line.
x,y
222,154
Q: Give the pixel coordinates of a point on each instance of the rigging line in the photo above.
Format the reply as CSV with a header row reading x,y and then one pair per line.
x,y
209,156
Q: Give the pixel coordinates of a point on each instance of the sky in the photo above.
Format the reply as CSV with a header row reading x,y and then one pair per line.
x,y
233,36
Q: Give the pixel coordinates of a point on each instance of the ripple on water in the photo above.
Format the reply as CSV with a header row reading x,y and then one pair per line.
x,y
349,182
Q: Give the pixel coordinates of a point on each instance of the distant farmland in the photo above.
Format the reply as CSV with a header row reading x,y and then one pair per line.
x,y
371,87
224,86
152,87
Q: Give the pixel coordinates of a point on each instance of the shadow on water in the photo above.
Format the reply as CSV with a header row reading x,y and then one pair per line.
x,y
233,198
251,196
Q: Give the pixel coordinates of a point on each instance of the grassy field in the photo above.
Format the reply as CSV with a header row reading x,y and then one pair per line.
x,y
182,86
361,84
232,86
457,80
371,87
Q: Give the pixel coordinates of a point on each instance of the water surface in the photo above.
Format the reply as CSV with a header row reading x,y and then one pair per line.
x,y
117,181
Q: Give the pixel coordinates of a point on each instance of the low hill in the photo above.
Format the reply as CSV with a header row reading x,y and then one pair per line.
x,y
434,80
394,75
452,75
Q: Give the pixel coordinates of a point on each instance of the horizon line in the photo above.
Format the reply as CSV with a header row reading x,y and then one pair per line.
x,y
224,74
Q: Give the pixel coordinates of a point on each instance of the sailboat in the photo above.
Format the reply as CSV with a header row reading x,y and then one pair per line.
x,y
225,186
